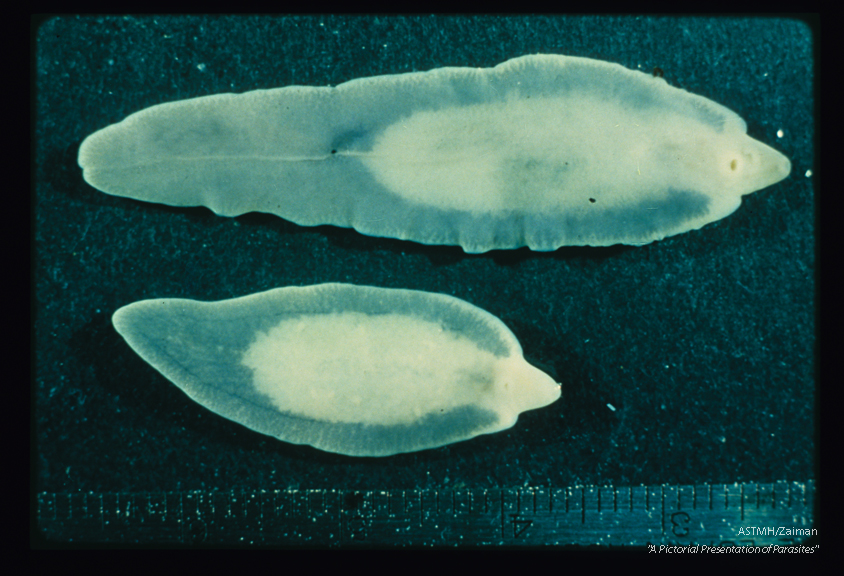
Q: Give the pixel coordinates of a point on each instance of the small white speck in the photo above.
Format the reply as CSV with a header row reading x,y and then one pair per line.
x,y
780,133
611,407
808,173
201,67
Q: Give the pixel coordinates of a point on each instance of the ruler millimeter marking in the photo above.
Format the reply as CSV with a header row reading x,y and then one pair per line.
x,y
712,514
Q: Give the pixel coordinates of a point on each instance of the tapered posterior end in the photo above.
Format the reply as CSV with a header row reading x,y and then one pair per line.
x,y
106,159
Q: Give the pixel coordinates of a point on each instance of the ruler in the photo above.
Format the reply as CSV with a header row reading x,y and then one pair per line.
x,y
746,514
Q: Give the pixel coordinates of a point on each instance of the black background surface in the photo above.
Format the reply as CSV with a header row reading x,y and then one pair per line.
x,y
703,343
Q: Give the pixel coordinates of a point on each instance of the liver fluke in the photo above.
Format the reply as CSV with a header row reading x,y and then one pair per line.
x,y
357,370
541,151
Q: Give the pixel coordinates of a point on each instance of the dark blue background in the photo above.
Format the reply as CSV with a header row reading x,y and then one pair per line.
x,y
703,343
